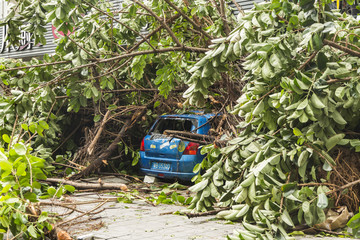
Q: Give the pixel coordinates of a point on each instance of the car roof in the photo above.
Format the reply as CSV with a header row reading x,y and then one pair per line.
x,y
195,116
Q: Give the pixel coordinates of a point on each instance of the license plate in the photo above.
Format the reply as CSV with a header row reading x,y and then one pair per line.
x,y
160,166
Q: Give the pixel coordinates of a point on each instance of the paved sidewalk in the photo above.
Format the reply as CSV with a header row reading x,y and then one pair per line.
x,y
140,221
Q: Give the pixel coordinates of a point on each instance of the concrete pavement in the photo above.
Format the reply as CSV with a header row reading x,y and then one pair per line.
x,y
139,220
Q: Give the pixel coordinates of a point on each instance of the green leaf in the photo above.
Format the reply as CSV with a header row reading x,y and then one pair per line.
x,y
334,140
316,102
69,188
322,201
20,171
197,168
44,125
51,191
43,217
297,132
20,149
302,158
6,138
303,104
286,218
259,108
31,196
24,126
97,118
338,118
267,71
32,231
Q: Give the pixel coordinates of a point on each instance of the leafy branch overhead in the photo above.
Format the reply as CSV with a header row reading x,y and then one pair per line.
x,y
115,68
300,111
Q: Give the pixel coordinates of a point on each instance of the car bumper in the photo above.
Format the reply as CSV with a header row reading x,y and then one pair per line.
x,y
168,175
178,168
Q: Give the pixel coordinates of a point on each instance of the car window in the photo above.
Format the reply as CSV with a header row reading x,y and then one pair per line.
x,y
177,124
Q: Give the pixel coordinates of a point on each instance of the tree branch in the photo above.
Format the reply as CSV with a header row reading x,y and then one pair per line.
x,y
133,54
238,7
170,20
223,17
163,23
196,26
38,65
338,80
79,185
341,48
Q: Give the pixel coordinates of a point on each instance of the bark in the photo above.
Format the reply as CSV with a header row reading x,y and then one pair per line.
x,y
97,163
190,135
342,48
196,138
81,185
93,143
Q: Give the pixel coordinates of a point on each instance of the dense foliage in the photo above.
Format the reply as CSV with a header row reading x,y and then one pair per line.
x,y
300,108
115,68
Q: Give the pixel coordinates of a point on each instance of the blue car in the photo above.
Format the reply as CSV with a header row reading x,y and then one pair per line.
x,y
167,157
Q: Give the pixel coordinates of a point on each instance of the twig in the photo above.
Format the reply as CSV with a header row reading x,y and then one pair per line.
x,y
282,194
95,208
163,23
60,205
133,54
339,80
133,90
196,26
316,184
65,165
344,187
238,7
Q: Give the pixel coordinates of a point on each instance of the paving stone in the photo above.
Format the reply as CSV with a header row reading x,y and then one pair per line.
x,y
141,221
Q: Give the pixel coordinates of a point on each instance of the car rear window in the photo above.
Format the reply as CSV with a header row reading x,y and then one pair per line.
x,y
177,124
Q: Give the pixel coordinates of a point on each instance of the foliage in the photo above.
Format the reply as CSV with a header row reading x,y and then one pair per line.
x,y
101,65
170,198
20,172
299,104
354,224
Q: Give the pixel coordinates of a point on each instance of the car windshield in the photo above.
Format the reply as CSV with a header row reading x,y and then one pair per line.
x,y
177,124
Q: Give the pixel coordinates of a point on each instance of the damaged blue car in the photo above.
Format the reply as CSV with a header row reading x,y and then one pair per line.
x,y
163,156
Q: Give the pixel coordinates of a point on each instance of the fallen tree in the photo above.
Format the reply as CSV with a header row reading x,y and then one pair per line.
x,y
297,156
92,101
